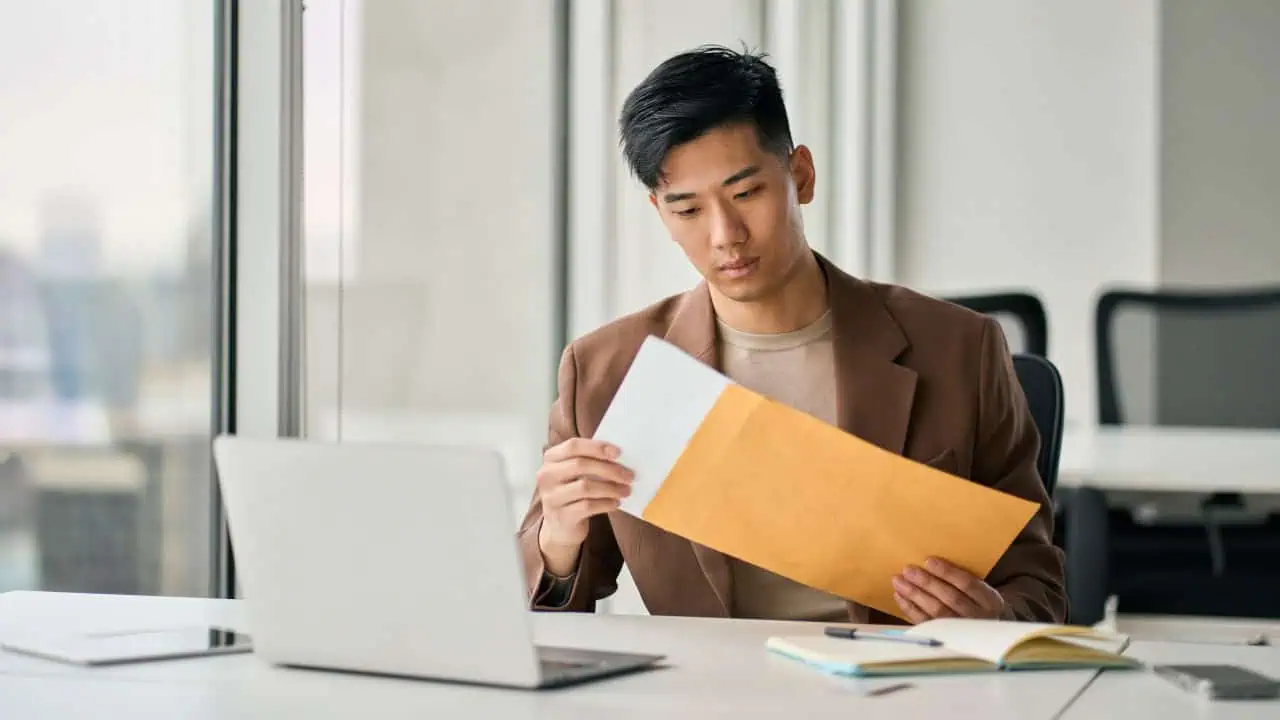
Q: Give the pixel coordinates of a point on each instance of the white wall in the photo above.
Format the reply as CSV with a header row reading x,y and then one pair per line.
x,y
1220,142
1219,219
1027,157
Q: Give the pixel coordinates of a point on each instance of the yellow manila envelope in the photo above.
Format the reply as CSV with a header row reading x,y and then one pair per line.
x,y
757,480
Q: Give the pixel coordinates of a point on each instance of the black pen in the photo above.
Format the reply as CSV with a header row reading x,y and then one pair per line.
x,y
855,634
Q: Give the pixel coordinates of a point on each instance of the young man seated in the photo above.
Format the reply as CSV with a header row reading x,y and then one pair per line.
x,y
707,134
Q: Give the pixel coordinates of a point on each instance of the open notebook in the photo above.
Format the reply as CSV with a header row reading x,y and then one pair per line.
x,y
967,646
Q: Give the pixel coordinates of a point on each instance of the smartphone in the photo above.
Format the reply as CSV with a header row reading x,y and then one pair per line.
x,y
1221,682
130,646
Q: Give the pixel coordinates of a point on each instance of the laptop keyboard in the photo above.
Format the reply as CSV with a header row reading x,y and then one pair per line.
x,y
565,659
556,666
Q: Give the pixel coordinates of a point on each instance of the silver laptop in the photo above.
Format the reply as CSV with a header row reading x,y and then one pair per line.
x,y
389,559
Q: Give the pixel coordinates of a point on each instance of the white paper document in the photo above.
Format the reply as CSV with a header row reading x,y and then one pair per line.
x,y
659,405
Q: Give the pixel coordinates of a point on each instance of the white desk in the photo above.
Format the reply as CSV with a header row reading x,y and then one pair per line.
x,y
716,669
1157,472
1139,695
1167,459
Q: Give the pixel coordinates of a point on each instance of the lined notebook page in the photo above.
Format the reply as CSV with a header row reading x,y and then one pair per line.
x,y
993,639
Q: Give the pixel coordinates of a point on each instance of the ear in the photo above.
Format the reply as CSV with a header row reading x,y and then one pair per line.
x,y
653,200
803,174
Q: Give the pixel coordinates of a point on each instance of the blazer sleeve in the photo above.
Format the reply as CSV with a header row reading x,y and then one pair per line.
x,y
1030,575
600,561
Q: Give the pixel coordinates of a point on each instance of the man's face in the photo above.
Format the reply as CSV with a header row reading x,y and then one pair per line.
x,y
734,208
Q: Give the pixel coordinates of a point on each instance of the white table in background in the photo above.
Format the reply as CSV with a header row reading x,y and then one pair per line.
x,y
1141,695
1171,459
1163,471
715,669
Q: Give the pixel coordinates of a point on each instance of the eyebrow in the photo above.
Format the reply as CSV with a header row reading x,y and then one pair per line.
x,y
739,176
742,174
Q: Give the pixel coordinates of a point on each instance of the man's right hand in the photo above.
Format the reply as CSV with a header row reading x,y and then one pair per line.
x,y
579,479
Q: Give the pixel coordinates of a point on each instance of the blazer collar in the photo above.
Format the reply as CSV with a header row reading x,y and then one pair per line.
x,y
875,394
867,341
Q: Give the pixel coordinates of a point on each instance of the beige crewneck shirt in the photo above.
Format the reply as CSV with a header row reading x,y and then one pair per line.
x,y
798,369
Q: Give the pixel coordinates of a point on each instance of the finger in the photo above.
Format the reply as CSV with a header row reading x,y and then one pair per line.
x,y
928,602
584,489
960,579
966,582
910,609
594,488
959,602
581,447
583,509
567,471
570,471
603,469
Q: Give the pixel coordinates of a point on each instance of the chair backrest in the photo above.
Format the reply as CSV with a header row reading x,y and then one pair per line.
x,y
1189,357
1022,315
1042,386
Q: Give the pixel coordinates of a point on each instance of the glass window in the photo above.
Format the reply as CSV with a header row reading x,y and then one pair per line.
x,y
106,295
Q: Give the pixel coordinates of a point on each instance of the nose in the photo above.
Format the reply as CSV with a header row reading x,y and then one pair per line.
x,y
727,228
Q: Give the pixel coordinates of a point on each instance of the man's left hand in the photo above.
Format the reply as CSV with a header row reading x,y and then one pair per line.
x,y
942,590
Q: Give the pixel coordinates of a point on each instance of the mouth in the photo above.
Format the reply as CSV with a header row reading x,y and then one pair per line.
x,y
739,268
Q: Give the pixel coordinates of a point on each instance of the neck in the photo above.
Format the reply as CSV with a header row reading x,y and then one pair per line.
x,y
798,303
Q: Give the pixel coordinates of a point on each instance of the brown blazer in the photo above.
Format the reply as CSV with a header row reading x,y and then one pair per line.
x,y
915,375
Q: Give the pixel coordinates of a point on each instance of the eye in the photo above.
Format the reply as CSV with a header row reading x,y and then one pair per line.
x,y
748,192
687,212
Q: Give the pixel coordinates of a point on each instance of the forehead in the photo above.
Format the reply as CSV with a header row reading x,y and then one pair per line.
x,y
712,157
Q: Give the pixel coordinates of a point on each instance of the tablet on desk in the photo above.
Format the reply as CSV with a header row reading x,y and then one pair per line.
x,y
130,646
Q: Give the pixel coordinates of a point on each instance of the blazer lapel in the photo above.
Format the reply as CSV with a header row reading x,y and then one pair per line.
x,y
693,330
874,393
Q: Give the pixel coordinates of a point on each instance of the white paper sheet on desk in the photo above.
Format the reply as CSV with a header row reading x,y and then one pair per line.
x,y
664,397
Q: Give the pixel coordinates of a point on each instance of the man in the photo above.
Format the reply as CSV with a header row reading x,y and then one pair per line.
x,y
707,134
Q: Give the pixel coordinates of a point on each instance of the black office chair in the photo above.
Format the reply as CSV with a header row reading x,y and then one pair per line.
x,y
1186,357
1213,356
1022,316
1042,386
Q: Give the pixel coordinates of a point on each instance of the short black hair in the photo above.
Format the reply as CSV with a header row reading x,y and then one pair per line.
x,y
693,93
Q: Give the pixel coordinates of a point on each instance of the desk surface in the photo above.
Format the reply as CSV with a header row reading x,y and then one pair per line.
x,y
1141,695
716,668
1172,459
